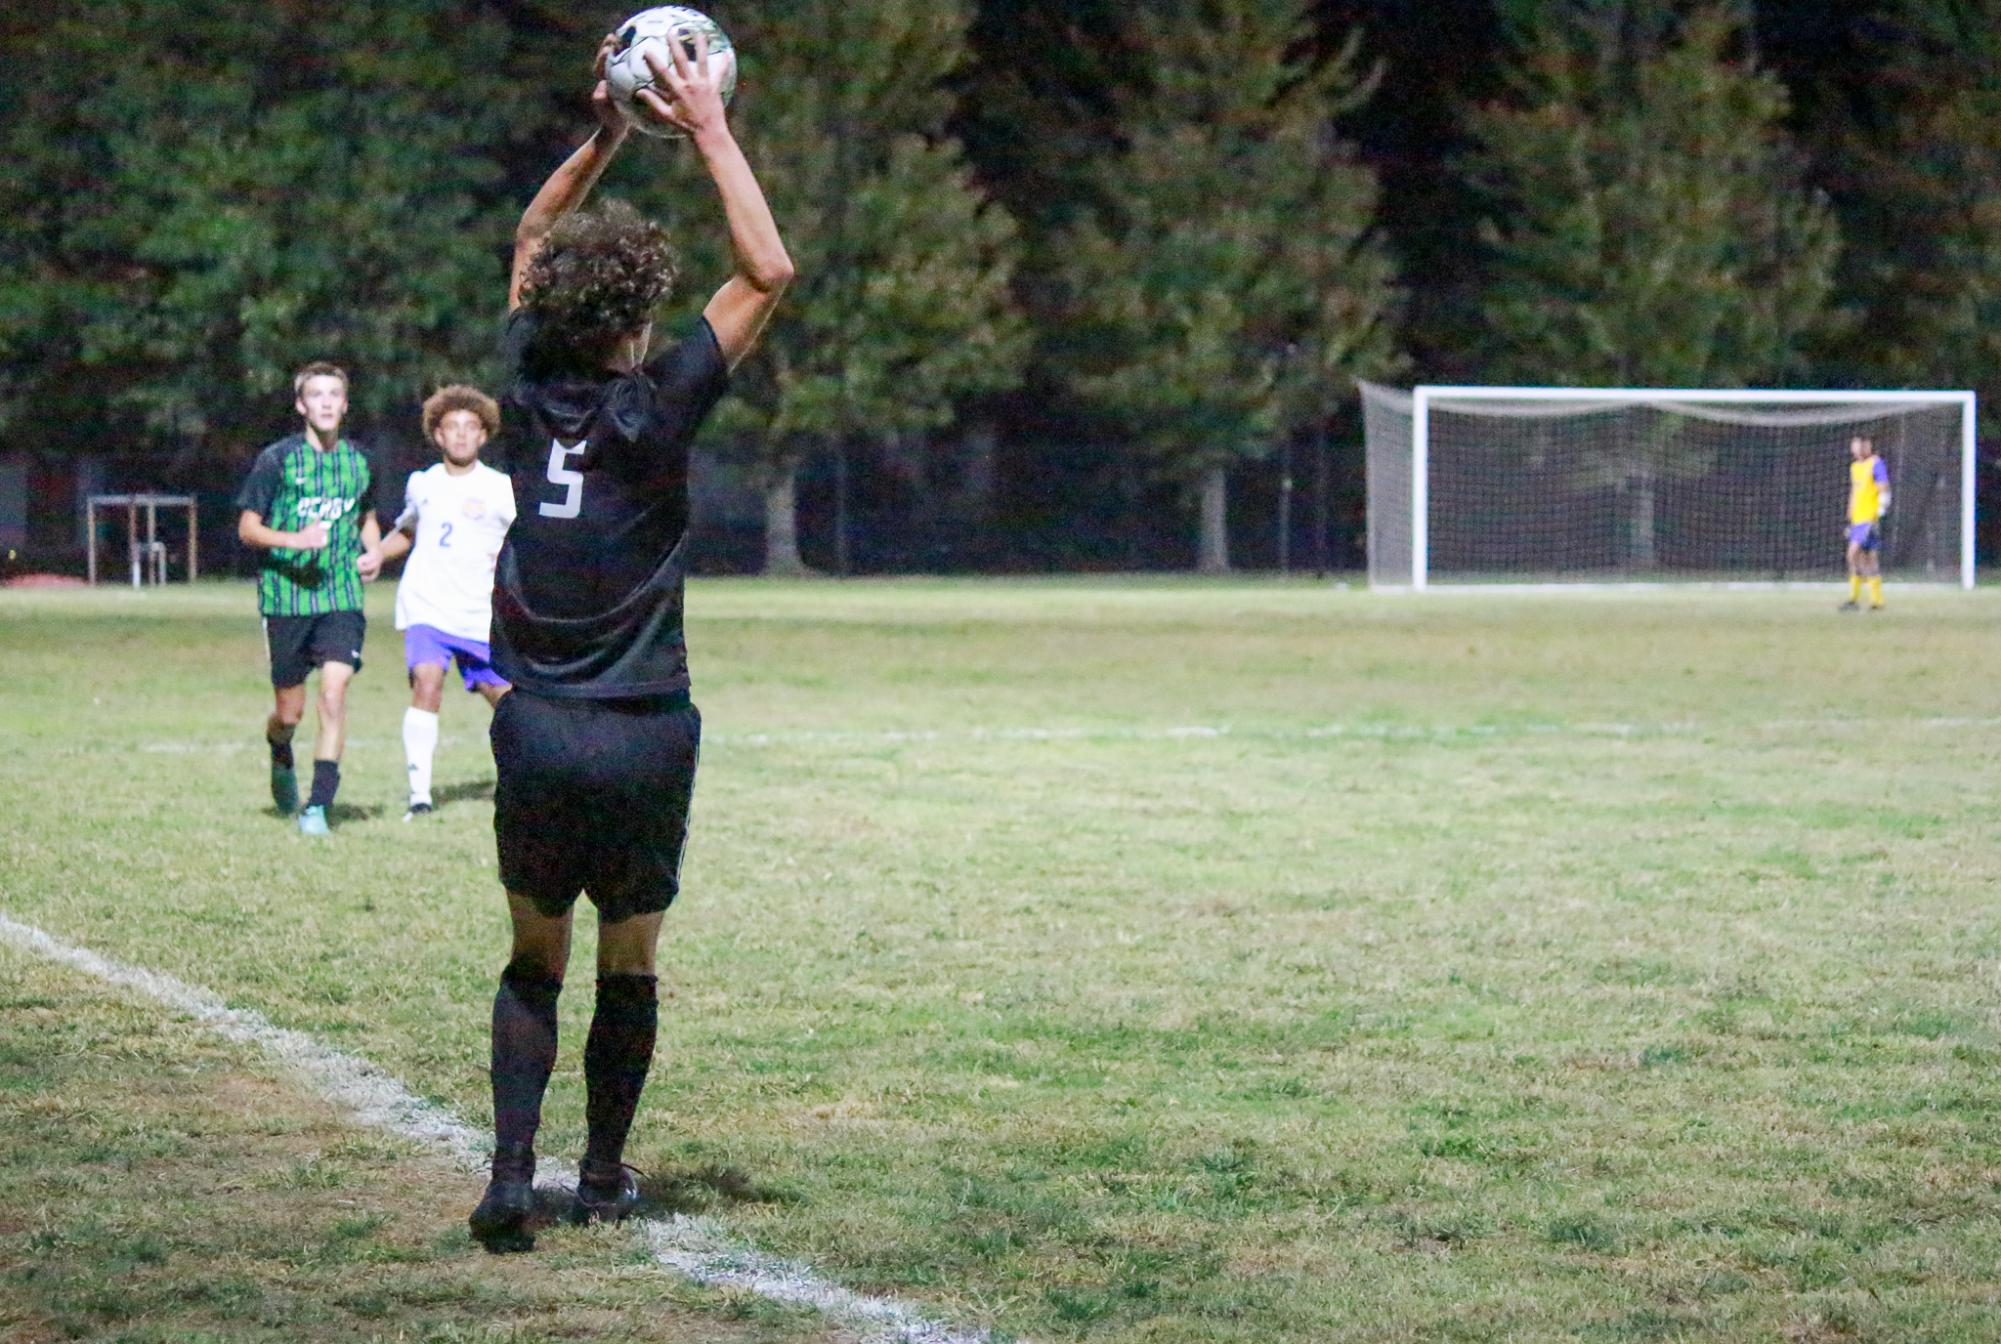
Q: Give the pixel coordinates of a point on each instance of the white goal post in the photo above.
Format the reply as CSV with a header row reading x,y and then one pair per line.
x,y
1638,485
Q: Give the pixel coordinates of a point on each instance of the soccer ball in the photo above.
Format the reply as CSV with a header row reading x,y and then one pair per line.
x,y
627,71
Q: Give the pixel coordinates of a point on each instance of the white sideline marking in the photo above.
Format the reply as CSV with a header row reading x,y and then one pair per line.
x,y
700,1248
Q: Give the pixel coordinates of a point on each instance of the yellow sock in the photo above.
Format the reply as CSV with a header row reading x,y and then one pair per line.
x,y
1854,587
1876,592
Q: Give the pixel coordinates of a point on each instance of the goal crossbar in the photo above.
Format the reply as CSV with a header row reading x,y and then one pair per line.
x,y
1427,399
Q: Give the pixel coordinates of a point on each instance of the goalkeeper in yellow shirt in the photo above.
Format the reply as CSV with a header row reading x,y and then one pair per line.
x,y
1868,501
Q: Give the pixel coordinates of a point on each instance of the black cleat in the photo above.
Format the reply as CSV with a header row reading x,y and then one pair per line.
x,y
1850,605
418,810
500,1223
284,788
606,1192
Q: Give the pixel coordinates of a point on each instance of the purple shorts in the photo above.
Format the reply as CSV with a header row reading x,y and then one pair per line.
x,y
1864,535
428,644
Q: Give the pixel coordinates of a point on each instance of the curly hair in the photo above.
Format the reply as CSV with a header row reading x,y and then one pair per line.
x,y
459,397
598,278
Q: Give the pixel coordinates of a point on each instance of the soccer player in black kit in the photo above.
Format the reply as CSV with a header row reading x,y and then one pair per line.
x,y
596,747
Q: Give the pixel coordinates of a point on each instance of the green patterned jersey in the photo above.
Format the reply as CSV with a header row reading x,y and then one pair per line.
x,y
292,484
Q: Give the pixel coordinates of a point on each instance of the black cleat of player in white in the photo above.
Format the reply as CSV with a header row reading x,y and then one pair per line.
x,y
417,810
500,1223
606,1193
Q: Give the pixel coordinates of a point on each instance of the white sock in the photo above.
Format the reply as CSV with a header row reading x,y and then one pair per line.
x,y
420,743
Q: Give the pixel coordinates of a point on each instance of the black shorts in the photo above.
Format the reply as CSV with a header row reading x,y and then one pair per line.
x,y
298,644
593,796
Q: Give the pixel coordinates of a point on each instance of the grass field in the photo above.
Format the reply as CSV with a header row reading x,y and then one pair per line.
x,y
1129,961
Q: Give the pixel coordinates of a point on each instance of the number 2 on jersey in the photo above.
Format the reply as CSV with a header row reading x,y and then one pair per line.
x,y
560,454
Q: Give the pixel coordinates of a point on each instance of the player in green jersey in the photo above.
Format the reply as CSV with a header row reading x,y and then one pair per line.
x,y
309,507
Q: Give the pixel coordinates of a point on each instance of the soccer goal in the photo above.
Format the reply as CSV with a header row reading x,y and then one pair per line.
x,y
1634,485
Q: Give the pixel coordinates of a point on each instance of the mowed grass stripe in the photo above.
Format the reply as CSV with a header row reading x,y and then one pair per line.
x,y
696,1247
160,1186
1139,1035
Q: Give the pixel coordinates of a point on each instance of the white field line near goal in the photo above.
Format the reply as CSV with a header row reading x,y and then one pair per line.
x,y
1310,732
1449,586
699,1248
251,745
1385,732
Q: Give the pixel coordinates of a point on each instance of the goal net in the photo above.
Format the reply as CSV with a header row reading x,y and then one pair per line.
x,y
1484,484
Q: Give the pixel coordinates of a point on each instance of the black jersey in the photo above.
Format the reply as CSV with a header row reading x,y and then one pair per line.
x,y
588,591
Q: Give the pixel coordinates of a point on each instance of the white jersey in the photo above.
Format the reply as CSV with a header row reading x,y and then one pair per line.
x,y
460,522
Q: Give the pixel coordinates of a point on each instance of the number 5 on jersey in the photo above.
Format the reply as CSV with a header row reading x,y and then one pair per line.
x,y
572,482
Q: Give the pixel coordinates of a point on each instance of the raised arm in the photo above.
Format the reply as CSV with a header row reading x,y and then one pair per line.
x,y
571,182
741,308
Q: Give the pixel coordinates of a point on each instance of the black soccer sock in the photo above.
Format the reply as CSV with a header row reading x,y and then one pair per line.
x,y
524,1051
616,1058
281,752
326,781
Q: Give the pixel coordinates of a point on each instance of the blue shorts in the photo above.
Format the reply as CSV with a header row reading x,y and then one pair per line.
x,y
1865,535
428,644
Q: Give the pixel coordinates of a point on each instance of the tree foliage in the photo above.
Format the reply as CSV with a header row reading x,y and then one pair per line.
x,y
1229,284
206,195
1652,227
1650,222
902,308
201,194
1924,198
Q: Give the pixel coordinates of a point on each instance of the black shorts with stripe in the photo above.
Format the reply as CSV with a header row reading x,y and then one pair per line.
x,y
298,644
592,798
